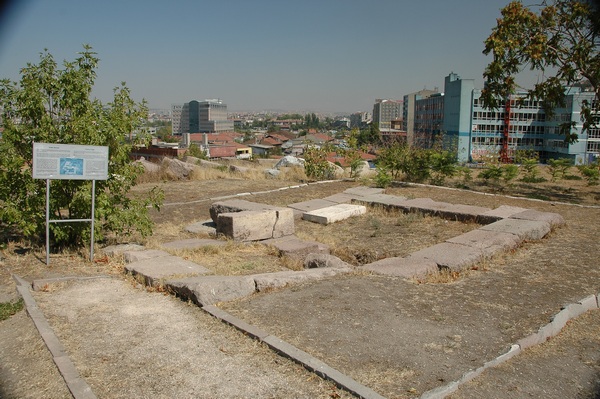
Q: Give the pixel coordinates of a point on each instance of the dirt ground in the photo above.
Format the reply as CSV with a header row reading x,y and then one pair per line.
x,y
400,338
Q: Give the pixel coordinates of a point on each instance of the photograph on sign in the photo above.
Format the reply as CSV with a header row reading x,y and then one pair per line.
x,y
71,166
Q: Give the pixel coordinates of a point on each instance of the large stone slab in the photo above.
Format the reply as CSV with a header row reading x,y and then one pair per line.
x,y
238,205
294,247
193,243
461,213
490,242
449,255
283,279
402,267
554,219
136,256
207,227
256,225
209,290
315,260
334,213
113,250
421,205
502,212
155,270
341,198
364,191
311,205
390,202
525,229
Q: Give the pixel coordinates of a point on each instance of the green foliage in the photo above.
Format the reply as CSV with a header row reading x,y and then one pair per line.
x,y
591,173
195,151
316,165
509,173
492,173
559,168
466,176
558,38
52,105
393,158
442,165
532,171
382,178
311,121
418,165
8,309
370,135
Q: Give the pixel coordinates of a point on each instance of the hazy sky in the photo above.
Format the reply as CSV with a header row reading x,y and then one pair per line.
x,y
308,55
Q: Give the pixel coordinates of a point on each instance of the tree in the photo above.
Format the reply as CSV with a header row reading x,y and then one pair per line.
x,y
559,38
52,105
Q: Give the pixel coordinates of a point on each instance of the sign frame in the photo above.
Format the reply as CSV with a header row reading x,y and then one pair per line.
x,y
69,162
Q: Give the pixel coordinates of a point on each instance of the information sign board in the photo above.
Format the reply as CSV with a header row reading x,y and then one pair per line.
x,y
69,162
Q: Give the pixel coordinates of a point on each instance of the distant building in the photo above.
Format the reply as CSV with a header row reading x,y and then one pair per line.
x,y
408,112
457,115
209,116
385,111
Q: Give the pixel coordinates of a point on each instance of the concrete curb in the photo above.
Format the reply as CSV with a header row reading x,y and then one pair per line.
x,y
289,351
77,385
558,322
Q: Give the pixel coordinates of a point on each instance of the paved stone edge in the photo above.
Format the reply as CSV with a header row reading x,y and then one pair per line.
x,y
289,351
77,385
552,329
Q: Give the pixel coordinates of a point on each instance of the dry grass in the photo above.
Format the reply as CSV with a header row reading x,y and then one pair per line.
x,y
235,258
381,234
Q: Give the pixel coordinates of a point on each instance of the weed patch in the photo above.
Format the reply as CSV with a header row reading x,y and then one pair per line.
x,y
8,309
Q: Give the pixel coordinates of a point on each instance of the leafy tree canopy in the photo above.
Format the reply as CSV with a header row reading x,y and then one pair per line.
x,y
559,38
53,105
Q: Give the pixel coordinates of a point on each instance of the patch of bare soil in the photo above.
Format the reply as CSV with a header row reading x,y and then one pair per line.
x,y
129,343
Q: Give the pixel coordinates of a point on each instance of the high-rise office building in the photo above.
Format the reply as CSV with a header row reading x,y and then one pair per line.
x,y
209,116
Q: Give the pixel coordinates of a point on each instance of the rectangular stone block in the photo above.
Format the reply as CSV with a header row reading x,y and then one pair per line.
x,y
390,202
462,213
238,205
136,256
489,242
283,279
311,205
155,269
341,198
402,267
193,243
256,225
502,212
209,290
364,191
294,247
453,256
426,206
524,229
334,213
554,219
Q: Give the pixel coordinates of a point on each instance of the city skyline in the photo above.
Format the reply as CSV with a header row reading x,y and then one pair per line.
x,y
323,56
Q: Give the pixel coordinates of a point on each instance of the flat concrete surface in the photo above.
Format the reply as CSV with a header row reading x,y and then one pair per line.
x,y
402,267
